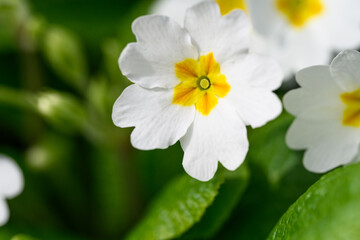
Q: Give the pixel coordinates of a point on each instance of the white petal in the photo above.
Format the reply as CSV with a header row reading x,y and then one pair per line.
x,y
253,70
158,123
265,18
345,69
293,50
4,212
316,77
331,153
256,107
318,89
11,178
344,19
220,136
175,9
225,36
161,43
305,133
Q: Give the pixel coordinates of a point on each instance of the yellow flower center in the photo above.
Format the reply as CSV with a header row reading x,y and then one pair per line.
x,y
227,6
201,83
299,12
352,111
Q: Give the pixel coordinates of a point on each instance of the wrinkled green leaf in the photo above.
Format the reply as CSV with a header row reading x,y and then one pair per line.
x,y
177,208
215,216
269,151
328,210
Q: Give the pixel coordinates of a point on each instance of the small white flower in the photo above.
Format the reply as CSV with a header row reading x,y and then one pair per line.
x,y
196,84
327,110
302,33
11,185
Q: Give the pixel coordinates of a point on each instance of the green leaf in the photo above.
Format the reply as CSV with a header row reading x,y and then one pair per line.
x,y
215,216
328,210
166,163
263,204
177,208
268,149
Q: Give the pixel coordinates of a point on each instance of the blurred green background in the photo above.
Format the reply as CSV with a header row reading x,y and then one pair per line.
x,y
59,78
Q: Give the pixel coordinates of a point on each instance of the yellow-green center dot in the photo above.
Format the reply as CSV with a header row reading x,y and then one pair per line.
x,y
204,83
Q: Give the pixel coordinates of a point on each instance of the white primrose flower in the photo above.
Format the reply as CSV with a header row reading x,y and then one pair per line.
x,y
302,33
327,110
11,185
196,84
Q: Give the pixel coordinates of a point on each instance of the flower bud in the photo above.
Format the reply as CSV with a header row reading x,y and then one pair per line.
x,y
64,53
51,152
61,110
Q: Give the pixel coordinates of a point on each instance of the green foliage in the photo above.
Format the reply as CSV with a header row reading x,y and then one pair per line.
x,y
45,155
17,98
220,210
177,208
59,78
112,205
269,151
17,232
328,210
13,13
22,237
263,203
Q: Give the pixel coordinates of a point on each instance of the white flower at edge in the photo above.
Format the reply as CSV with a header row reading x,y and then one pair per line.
x,y
302,33
196,84
176,9
11,185
327,110
297,33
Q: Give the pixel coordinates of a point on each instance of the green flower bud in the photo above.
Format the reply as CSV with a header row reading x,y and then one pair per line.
x,y
61,110
51,152
64,53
